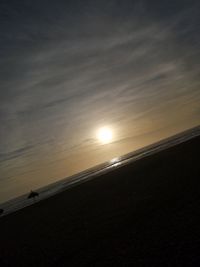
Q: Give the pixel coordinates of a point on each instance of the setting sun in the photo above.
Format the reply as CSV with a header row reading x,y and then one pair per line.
x,y
105,135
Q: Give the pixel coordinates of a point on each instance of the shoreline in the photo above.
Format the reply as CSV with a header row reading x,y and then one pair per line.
x,y
145,213
62,185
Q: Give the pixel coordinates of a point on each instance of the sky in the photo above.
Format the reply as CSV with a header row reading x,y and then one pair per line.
x,y
68,68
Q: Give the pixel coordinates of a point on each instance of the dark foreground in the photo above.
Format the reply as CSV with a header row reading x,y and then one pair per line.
x,y
144,214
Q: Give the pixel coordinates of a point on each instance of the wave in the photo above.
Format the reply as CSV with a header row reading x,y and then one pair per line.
x,y
62,185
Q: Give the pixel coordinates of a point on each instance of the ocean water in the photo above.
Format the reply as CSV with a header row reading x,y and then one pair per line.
x,y
62,185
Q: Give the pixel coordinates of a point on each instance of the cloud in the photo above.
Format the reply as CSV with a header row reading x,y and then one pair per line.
x,y
15,154
68,68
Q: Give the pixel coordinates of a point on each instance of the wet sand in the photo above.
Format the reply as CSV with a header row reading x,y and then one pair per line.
x,y
146,213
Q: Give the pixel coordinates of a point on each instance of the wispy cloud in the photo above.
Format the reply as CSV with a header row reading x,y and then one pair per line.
x,y
68,68
15,154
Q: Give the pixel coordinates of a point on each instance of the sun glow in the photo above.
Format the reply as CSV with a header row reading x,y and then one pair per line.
x,y
105,135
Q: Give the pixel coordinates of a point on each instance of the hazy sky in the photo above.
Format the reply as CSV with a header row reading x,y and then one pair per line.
x,y
68,68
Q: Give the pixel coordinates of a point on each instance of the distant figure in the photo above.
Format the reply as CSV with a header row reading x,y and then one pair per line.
x,y
1,211
33,194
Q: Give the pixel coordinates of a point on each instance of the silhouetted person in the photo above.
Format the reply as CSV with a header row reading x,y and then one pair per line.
x,y
1,211
33,194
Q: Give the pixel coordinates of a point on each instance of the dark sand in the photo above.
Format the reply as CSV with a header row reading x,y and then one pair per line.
x,y
144,214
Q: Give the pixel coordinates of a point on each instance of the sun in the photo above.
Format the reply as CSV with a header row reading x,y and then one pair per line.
x,y
105,135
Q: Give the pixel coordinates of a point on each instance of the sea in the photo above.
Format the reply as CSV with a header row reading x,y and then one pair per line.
x,y
23,201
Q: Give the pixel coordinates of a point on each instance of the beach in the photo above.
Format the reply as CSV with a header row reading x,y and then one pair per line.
x,y
145,213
